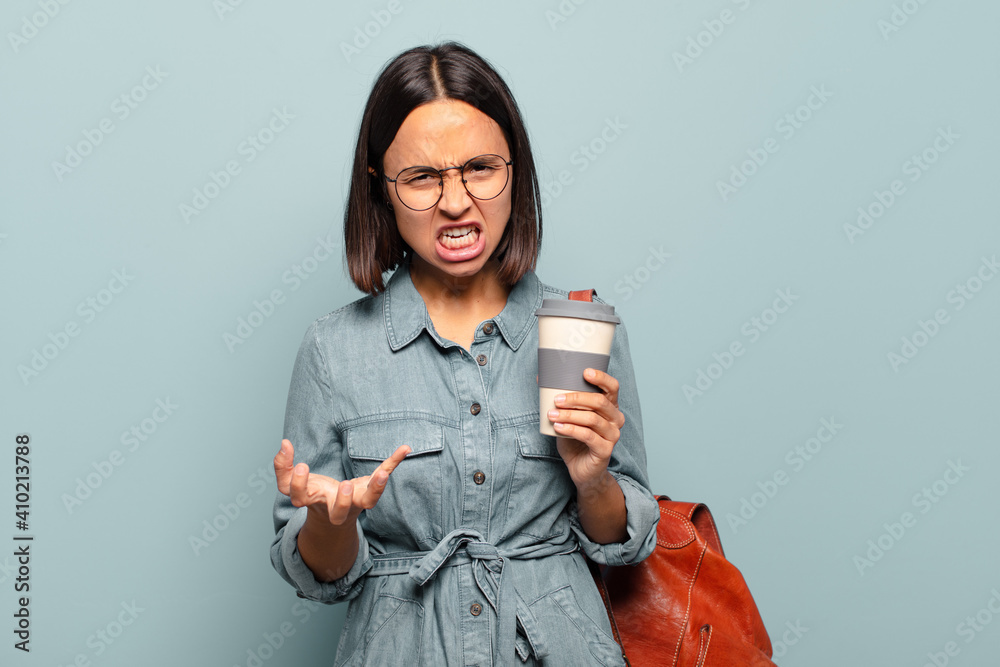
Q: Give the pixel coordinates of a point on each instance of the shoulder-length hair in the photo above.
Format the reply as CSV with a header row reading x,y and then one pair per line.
x,y
420,75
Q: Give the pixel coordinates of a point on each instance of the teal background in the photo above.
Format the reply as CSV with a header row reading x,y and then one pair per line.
x,y
573,69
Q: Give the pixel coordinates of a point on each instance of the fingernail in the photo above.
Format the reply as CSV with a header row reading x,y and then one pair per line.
x,y
553,414
560,399
590,372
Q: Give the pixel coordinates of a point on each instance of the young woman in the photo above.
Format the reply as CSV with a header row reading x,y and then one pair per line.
x,y
424,492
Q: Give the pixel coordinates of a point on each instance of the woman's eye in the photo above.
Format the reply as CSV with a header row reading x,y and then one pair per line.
x,y
420,178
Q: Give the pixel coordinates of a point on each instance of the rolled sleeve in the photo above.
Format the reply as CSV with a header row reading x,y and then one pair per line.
x,y
288,562
310,428
642,515
628,467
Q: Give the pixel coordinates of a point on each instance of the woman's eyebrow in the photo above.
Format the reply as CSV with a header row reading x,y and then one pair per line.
x,y
459,164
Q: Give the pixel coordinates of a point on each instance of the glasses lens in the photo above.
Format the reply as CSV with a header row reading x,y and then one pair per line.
x,y
485,176
419,187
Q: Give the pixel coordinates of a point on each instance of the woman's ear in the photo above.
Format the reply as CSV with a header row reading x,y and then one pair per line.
x,y
388,202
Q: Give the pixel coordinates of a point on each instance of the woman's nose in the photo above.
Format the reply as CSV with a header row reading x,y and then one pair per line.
x,y
454,197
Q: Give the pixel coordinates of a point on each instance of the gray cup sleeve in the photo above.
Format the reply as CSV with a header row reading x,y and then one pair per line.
x,y
563,369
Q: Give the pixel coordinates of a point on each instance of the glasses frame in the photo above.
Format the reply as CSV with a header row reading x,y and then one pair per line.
x,y
440,173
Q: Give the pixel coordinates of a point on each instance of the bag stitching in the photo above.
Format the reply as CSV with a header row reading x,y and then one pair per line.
x,y
687,525
687,612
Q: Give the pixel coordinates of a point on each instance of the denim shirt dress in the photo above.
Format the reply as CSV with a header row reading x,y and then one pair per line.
x,y
474,553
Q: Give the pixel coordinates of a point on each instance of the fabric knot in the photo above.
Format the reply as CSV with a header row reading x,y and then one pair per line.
x,y
516,622
482,551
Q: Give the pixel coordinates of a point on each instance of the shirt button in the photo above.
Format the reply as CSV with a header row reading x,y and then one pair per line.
x,y
478,477
476,609
488,328
475,408
481,359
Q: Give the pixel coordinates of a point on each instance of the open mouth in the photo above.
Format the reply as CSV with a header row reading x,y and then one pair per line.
x,y
459,237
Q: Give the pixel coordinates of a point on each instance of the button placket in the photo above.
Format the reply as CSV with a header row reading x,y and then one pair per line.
x,y
474,438
481,351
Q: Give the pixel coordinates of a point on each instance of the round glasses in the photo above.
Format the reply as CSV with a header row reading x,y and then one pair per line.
x,y
420,188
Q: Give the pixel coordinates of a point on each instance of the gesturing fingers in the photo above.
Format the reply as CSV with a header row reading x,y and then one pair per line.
x,y
283,466
379,478
343,503
340,501
299,485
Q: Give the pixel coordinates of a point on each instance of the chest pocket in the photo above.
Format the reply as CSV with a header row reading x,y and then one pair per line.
x,y
410,508
541,486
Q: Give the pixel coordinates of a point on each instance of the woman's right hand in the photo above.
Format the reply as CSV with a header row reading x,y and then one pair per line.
x,y
338,502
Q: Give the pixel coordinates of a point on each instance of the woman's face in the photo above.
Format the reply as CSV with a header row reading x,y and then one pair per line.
x,y
456,237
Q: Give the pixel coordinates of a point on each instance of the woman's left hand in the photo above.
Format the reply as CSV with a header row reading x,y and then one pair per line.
x,y
588,425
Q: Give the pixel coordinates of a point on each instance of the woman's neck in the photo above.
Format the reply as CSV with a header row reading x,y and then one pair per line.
x,y
482,293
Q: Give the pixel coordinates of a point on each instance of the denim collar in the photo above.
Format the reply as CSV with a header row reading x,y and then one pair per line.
x,y
406,313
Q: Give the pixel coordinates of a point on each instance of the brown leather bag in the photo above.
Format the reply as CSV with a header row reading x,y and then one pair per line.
x,y
685,605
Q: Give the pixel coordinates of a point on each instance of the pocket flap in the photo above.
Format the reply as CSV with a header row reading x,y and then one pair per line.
x,y
533,444
376,441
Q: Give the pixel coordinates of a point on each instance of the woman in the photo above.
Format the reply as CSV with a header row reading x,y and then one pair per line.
x,y
424,492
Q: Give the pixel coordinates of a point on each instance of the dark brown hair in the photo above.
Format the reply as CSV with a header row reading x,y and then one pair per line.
x,y
420,75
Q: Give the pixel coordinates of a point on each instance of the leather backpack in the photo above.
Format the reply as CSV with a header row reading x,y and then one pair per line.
x,y
685,605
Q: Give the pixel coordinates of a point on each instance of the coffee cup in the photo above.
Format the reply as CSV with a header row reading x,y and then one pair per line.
x,y
572,336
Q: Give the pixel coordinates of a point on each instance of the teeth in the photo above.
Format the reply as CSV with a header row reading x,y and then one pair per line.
x,y
455,232
459,237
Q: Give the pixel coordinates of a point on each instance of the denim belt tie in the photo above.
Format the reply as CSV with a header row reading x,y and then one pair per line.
x,y
462,546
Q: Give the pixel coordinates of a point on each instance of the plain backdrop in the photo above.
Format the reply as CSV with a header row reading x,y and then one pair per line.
x,y
792,206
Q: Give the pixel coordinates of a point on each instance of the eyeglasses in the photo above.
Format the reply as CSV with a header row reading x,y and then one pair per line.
x,y
420,188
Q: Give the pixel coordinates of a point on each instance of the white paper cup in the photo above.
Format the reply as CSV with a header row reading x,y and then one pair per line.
x,y
572,336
